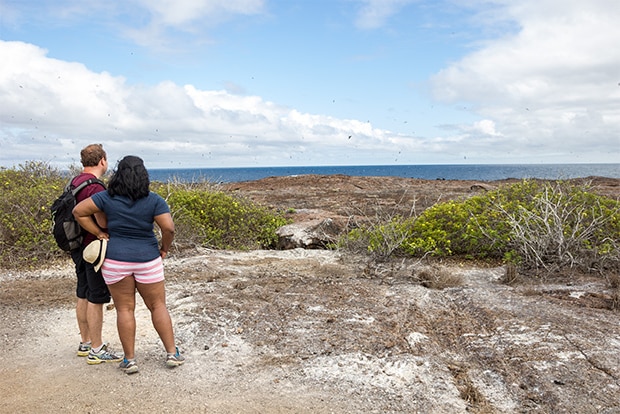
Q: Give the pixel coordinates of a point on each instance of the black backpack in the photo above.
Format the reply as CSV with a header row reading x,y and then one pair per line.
x,y
67,231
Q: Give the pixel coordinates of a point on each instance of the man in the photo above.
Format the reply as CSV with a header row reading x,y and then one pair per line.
x,y
91,291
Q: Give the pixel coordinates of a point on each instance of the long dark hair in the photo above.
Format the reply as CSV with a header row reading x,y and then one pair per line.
x,y
130,179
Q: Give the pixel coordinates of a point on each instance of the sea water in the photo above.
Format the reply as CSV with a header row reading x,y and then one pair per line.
x,y
479,172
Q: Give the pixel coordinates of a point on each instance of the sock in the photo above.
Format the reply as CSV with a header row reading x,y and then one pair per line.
x,y
98,349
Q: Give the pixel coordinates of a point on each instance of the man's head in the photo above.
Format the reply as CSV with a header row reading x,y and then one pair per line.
x,y
92,155
94,159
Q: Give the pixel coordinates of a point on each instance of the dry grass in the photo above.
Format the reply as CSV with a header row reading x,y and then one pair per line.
x,y
436,277
511,274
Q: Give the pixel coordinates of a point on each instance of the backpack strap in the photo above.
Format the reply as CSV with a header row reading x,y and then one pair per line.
x,y
85,184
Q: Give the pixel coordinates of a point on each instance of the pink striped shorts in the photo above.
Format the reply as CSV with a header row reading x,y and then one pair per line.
x,y
147,272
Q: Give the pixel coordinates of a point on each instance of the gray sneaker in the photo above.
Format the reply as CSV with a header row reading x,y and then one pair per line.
x,y
130,367
175,359
104,355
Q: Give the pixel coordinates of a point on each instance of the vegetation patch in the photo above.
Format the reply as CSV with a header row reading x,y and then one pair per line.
x,y
212,218
203,214
538,227
26,193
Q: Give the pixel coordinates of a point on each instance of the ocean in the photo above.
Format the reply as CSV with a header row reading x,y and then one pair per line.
x,y
480,172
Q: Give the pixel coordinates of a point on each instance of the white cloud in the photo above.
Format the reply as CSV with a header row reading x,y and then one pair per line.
x,y
486,127
50,91
164,20
52,12
57,107
375,13
178,13
546,92
553,83
157,24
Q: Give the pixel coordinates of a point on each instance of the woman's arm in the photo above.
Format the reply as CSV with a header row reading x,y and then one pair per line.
x,y
101,219
166,225
83,212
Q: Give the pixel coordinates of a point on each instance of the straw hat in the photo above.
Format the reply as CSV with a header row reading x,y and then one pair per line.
x,y
95,253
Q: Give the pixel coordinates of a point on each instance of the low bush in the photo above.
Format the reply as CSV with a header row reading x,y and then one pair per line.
x,y
212,218
381,235
536,225
379,239
563,226
26,192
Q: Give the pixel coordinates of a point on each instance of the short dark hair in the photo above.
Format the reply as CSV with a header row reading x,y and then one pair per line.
x,y
92,154
131,179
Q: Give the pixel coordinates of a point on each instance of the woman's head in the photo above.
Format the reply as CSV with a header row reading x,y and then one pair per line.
x,y
130,178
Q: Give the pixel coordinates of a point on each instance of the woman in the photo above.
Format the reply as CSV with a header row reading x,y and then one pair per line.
x,y
133,259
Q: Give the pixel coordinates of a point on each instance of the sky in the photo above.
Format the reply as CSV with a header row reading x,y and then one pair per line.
x,y
260,83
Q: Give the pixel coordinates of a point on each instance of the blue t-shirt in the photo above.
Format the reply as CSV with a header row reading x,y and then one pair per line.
x,y
130,225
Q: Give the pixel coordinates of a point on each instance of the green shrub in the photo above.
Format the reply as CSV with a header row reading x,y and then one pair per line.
x,y
215,219
26,193
468,228
534,224
472,227
380,239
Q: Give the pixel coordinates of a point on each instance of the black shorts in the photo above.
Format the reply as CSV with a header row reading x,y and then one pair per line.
x,y
90,284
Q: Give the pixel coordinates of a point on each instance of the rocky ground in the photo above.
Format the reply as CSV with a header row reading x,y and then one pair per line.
x,y
316,331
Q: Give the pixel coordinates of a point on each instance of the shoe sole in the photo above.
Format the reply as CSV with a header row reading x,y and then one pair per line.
x,y
83,353
173,364
102,361
131,370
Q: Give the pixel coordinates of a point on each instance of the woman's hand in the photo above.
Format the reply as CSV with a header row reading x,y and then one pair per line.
x,y
166,225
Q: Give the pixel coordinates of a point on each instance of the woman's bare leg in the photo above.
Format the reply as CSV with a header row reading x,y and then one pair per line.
x,y
154,295
124,295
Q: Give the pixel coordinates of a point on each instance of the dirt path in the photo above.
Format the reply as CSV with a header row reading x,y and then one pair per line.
x,y
307,332
41,373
